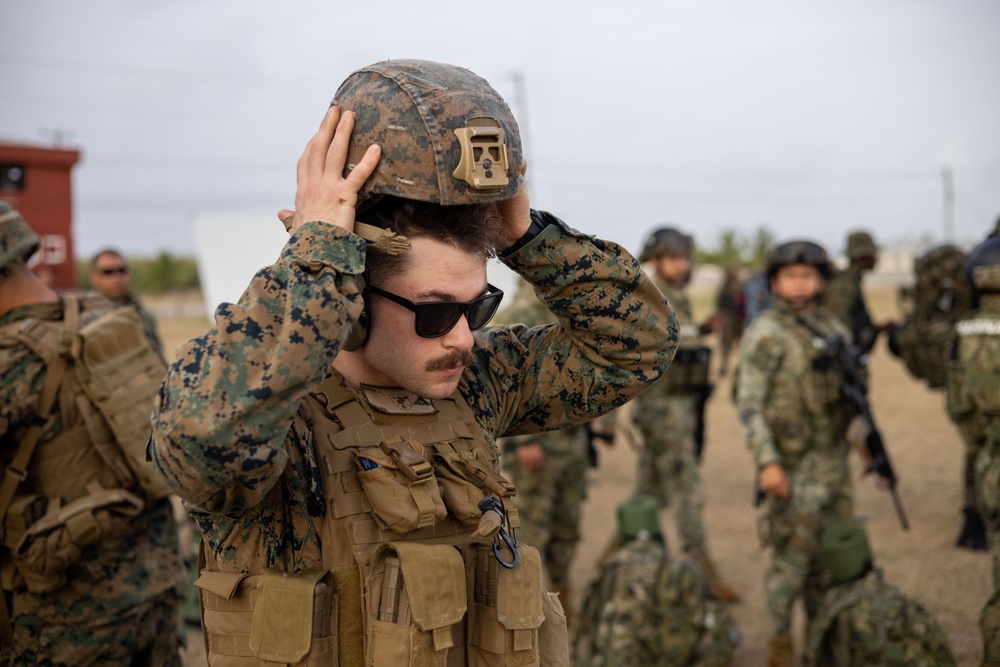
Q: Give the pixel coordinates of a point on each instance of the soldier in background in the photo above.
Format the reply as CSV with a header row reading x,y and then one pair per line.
x,y
863,620
843,295
110,275
548,469
795,418
974,405
646,608
335,433
731,306
90,556
668,414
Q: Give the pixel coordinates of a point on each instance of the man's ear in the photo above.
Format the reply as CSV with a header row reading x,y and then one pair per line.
x,y
359,334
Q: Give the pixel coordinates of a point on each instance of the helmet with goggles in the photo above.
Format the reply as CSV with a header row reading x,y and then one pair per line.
x,y
798,252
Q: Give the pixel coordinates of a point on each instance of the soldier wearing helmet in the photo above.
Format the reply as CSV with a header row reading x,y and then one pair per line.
x,y
334,433
843,295
974,404
88,555
794,421
669,414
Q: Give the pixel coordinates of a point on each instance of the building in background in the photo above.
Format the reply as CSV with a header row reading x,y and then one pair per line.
x,y
37,181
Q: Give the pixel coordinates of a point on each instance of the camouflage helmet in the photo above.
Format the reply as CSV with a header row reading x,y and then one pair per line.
x,y
844,551
798,252
983,265
447,137
17,240
861,244
666,241
637,516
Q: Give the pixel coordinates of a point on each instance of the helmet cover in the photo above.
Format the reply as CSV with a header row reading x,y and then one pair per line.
x,y
447,137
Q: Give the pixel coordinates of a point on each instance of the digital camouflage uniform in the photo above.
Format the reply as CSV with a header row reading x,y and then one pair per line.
x,y
548,499
731,305
230,435
844,299
794,414
120,605
870,622
843,295
974,404
666,416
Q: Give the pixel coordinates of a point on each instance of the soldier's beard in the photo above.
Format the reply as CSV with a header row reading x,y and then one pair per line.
x,y
455,358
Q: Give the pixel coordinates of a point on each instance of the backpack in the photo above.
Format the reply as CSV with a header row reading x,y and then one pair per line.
x,y
646,608
119,372
941,295
870,622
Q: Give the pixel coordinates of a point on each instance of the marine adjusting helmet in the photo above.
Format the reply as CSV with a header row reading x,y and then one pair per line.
x,y
639,517
983,265
798,252
17,240
447,136
666,241
844,551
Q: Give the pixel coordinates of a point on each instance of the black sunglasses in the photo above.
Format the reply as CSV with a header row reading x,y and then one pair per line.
x,y
436,318
112,271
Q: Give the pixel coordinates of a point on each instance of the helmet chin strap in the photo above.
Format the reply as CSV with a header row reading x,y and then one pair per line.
x,y
383,240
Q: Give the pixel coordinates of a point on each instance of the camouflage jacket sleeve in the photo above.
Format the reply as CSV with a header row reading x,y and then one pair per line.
x,y
839,295
760,357
226,404
23,379
616,334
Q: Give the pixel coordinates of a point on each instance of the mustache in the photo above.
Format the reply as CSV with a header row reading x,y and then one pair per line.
x,y
451,360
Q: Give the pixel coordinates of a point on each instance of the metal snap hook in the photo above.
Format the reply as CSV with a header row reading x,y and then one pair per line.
x,y
497,549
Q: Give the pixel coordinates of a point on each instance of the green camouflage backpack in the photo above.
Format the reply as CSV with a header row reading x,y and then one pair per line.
x,y
941,295
870,622
646,608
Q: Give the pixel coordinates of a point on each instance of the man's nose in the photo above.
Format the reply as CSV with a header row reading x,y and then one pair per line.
x,y
460,337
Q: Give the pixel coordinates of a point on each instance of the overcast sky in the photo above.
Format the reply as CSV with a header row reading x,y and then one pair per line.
x,y
809,118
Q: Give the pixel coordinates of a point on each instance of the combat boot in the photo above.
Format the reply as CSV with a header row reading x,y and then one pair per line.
x,y
973,535
781,652
717,588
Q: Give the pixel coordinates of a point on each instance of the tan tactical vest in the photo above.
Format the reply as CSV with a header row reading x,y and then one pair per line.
x,y
402,583
85,484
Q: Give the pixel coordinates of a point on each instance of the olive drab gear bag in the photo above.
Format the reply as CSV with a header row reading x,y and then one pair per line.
x,y
646,608
941,295
870,622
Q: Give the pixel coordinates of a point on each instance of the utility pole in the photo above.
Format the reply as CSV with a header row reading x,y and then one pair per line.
x,y
949,205
521,104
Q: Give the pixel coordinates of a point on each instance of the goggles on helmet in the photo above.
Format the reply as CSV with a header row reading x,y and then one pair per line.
x,y
436,318
799,252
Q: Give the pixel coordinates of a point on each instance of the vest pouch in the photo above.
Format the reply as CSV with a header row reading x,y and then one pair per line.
x,y
415,594
506,609
822,388
461,488
400,485
230,603
292,620
56,541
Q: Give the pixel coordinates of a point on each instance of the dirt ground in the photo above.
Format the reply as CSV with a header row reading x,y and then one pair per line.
x,y
927,454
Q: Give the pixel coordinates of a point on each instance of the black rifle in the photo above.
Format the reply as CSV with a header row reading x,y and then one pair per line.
x,y
855,389
701,396
593,435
